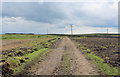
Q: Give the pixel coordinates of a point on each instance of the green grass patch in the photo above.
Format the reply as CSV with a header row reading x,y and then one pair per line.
x,y
104,67
20,37
88,50
67,62
47,44
103,47
31,57
53,41
82,47
38,51
66,66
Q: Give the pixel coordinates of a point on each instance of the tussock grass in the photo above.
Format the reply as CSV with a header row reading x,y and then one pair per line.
x,y
38,48
104,67
31,57
67,62
41,52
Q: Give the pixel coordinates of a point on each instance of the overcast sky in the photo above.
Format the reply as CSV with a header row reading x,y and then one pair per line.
x,y
37,17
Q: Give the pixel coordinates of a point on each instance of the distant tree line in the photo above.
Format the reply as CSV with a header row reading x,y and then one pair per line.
x,y
19,33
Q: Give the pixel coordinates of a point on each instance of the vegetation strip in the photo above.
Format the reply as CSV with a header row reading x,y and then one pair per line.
x,y
38,57
65,66
67,61
22,37
104,67
20,59
101,51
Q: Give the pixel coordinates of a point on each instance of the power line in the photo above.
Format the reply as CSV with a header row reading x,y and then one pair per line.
x,y
71,29
107,30
47,31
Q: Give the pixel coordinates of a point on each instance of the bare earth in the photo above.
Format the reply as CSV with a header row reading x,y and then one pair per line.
x,y
54,62
9,44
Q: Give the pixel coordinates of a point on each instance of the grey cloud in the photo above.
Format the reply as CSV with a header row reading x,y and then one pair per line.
x,y
57,16
46,12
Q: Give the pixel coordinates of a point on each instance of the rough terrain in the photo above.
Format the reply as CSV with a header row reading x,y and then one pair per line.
x,y
65,59
9,44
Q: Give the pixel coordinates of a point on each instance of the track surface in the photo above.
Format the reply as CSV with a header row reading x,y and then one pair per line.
x,y
54,62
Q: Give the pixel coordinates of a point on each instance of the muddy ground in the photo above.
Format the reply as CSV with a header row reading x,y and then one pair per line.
x,y
65,59
106,48
16,57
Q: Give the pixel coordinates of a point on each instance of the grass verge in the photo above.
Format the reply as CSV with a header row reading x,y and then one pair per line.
x,y
67,62
31,57
23,58
104,67
21,37
66,66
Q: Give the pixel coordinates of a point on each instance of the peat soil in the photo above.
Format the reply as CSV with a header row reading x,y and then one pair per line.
x,y
14,58
65,59
106,48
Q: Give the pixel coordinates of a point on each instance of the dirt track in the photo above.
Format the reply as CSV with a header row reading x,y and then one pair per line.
x,y
54,62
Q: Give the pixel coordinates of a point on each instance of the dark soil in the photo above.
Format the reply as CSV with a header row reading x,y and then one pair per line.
x,y
65,59
20,52
106,48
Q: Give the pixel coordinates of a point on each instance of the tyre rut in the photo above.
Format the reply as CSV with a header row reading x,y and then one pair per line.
x,y
66,59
